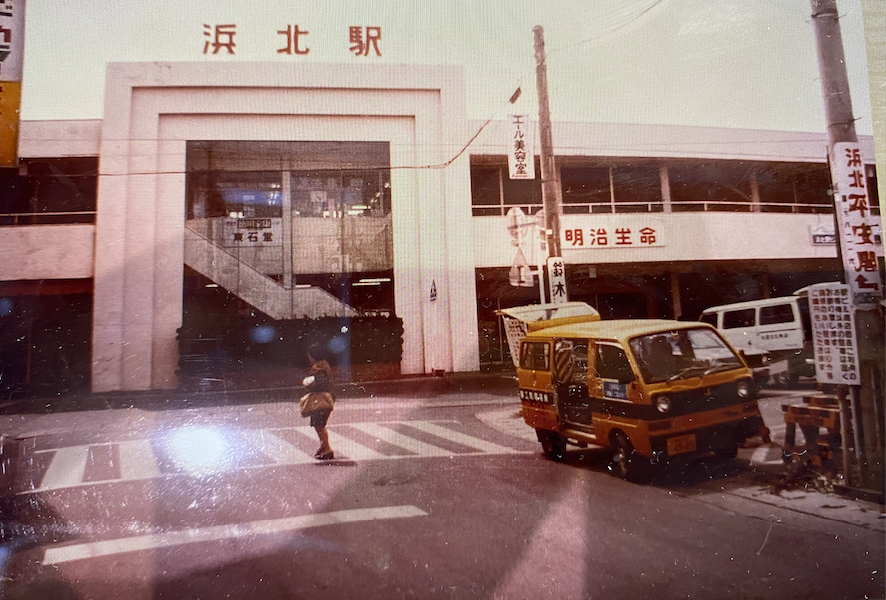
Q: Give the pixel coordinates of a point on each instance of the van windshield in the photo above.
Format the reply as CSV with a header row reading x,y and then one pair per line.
x,y
681,354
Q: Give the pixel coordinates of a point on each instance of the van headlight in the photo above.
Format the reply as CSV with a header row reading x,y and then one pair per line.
x,y
744,389
663,404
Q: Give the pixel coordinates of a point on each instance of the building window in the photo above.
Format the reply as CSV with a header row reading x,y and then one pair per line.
x,y
797,188
525,193
293,209
493,192
235,195
776,185
49,191
811,187
716,186
721,186
636,189
351,193
586,189
325,179
486,190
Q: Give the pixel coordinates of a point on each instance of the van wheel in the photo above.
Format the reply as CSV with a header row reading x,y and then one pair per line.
x,y
626,463
552,444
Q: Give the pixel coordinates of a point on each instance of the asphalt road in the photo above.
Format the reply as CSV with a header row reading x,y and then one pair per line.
x,y
449,498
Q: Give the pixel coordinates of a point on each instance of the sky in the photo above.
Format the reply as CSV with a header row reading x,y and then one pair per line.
x,y
725,63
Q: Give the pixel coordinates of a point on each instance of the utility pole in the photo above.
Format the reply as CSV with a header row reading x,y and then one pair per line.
x,y
862,275
551,193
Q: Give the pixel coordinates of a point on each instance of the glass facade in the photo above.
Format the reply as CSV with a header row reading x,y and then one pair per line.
x,y
49,191
589,187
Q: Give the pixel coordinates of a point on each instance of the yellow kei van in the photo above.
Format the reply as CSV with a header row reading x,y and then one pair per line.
x,y
652,390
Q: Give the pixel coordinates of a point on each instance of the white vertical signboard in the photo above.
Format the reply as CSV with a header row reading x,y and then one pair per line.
x,y
557,277
521,151
833,333
12,51
855,221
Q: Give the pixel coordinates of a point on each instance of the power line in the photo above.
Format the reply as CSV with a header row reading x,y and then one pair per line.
x,y
627,21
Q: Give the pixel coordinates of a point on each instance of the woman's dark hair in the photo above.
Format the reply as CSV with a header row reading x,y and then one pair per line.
x,y
317,351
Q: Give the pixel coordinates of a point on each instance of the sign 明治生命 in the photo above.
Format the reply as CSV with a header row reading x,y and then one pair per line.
x,y
612,235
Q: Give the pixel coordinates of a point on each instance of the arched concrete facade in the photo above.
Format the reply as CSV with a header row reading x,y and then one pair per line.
x,y
153,109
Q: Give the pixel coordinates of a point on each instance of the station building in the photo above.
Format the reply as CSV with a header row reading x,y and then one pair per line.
x,y
247,197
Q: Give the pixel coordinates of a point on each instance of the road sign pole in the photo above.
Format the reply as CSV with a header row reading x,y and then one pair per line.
x,y
859,259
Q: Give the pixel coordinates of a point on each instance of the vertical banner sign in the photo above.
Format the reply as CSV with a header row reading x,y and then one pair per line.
x,y
557,277
521,151
833,334
855,221
12,50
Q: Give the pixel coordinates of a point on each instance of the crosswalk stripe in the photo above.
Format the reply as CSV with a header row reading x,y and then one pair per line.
x,y
766,455
461,438
137,460
347,448
67,468
398,439
276,448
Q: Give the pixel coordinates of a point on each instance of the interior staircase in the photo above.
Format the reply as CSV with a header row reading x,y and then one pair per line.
x,y
256,288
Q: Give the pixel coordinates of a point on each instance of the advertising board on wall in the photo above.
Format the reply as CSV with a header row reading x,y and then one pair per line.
x,y
856,221
12,50
833,334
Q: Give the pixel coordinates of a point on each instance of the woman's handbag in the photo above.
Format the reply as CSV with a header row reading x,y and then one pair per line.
x,y
314,402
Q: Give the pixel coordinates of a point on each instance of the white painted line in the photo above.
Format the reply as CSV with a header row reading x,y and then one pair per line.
x,y
403,441
764,455
760,455
137,460
461,438
64,554
276,448
67,468
348,448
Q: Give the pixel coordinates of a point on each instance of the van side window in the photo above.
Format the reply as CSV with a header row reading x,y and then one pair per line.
x,y
578,366
709,318
780,313
738,318
612,363
535,356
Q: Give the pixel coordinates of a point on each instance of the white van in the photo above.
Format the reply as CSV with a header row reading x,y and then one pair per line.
x,y
779,328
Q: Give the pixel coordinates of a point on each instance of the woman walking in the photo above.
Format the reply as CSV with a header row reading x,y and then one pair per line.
x,y
319,381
